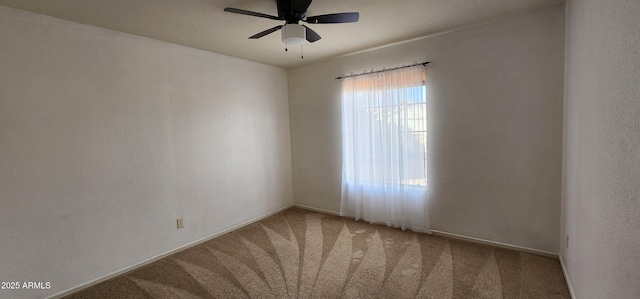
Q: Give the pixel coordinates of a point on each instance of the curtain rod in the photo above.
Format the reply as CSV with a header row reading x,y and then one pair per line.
x,y
380,71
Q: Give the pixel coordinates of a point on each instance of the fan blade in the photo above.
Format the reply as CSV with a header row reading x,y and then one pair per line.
x,y
251,13
268,31
345,17
300,5
312,36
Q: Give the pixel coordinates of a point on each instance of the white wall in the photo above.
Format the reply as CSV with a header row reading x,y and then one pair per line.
x,y
107,138
495,127
601,188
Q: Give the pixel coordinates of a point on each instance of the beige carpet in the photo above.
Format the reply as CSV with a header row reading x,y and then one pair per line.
x,y
304,254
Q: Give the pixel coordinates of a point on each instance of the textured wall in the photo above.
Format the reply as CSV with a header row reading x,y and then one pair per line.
x,y
601,189
107,138
495,127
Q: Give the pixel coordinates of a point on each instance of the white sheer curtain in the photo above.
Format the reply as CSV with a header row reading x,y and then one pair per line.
x,y
384,144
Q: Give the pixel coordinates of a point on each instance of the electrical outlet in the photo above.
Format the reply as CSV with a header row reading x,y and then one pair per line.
x,y
566,241
179,223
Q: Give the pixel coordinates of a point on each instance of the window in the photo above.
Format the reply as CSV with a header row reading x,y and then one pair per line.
x,y
397,119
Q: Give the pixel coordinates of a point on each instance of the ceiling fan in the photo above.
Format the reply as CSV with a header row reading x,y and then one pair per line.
x,y
293,12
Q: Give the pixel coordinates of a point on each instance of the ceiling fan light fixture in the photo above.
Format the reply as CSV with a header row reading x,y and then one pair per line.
x,y
294,34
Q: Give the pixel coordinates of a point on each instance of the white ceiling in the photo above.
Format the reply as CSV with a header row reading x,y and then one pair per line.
x,y
203,24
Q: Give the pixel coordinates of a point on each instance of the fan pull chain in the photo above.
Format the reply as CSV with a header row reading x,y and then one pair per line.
x,y
301,52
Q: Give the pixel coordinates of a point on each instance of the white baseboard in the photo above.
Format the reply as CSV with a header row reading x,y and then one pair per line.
x,y
494,243
317,210
160,256
566,278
